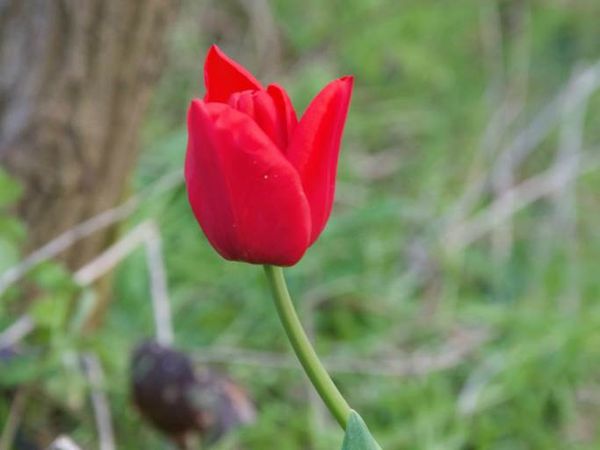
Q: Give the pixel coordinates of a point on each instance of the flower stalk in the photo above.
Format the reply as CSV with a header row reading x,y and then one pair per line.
x,y
304,350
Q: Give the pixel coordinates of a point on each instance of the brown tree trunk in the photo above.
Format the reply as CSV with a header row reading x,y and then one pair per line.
x,y
75,80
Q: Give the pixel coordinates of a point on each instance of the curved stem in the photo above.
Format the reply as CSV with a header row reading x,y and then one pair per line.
x,y
303,348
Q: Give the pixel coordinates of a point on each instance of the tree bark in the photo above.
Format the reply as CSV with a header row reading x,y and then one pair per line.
x,y
75,80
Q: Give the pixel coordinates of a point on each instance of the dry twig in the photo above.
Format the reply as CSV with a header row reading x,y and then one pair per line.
x,y
63,443
513,201
112,256
84,229
416,364
579,88
95,376
146,234
158,287
14,418
16,331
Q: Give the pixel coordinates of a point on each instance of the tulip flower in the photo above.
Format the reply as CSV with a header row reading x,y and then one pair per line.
x,y
261,182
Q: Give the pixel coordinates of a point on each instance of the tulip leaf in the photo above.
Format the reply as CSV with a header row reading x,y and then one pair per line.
x,y
358,436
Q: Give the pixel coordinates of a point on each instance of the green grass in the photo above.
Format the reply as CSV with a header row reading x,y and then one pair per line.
x,y
381,284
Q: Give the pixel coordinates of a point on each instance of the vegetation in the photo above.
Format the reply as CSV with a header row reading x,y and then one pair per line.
x,y
452,315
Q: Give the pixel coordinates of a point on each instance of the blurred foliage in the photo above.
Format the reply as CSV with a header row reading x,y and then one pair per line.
x,y
379,284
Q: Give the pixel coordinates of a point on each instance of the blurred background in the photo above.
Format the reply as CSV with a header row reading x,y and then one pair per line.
x,y
455,294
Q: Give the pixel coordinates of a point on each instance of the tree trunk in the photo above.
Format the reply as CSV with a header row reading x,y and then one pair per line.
x,y
75,80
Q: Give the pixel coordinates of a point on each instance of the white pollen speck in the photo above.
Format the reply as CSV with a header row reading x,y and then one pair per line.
x,y
266,177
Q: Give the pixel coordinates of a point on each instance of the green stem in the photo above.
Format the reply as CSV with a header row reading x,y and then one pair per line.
x,y
303,348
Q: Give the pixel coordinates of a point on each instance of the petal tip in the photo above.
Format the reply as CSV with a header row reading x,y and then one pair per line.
x,y
212,56
214,52
196,107
224,76
348,81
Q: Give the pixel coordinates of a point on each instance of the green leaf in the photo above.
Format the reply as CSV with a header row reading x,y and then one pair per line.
x,y
50,311
10,189
11,228
9,254
18,368
358,436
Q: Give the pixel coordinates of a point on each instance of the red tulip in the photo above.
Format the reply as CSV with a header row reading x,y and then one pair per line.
x,y
260,182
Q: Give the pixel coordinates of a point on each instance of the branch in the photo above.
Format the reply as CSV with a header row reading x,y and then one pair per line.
x,y
146,234
63,443
565,200
158,287
95,376
112,256
84,229
416,364
13,420
579,88
514,200
17,331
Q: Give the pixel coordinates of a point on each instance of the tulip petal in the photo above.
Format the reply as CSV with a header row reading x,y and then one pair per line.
x,y
246,196
285,110
262,109
223,76
315,147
